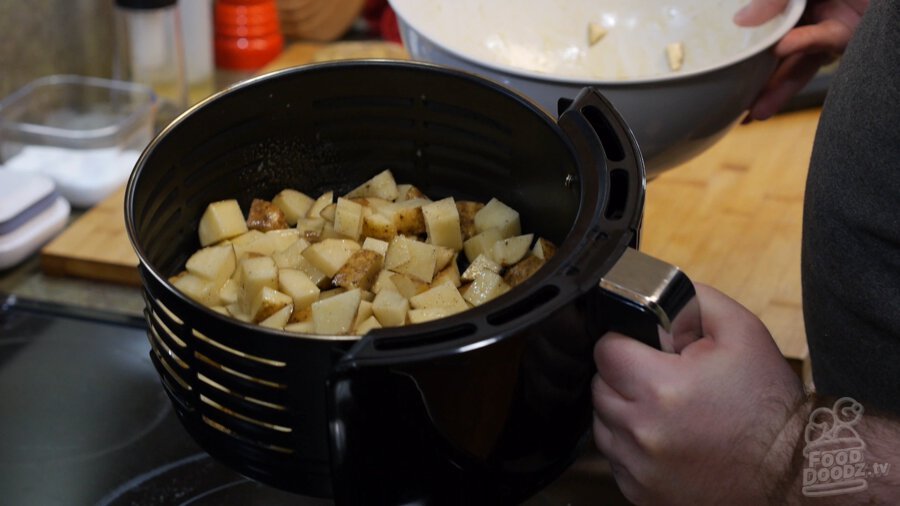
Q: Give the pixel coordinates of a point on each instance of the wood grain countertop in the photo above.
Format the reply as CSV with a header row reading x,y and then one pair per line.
x,y
730,218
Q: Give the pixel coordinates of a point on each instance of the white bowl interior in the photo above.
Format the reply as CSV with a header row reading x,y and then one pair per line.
x,y
548,38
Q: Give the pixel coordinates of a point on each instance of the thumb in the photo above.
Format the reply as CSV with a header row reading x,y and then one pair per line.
x,y
758,12
725,320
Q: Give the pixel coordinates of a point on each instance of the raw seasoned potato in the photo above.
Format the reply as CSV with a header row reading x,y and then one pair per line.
x,y
311,228
327,294
376,245
467,210
293,204
509,251
291,257
429,313
408,256
365,327
237,312
443,296
596,32
443,257
450,274
480,264
267,302
407,286
301,315
406,216
229,292
256,273
304,327
379,226
295,283
543,249
329,255
675,55
200,289
517,274
221,220
363,313
496,214
442,224
214,263
320,203
348,218
278,319
282,239
487,286
328,212
382,185
359,271
335,315
482,243
409,192
384,282
390,308
265,216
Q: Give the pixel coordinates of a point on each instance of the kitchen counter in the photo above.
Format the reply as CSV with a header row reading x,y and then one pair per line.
x,y
730,218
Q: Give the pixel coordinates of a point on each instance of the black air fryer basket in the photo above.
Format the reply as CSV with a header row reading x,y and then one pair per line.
x,y
487,406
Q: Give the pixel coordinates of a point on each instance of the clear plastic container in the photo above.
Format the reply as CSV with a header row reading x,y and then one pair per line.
x,y
85,133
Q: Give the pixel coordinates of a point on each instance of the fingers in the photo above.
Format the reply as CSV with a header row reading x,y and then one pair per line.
x,y
790,77
622,362
725,320
758,12
829,36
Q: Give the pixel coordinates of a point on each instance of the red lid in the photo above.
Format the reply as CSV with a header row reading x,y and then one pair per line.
x,y
248,34
247,53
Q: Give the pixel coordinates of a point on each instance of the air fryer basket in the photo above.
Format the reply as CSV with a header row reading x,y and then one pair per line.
x,y
486,406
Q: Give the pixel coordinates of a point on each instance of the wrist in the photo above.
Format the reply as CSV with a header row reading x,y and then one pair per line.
x,y
782,467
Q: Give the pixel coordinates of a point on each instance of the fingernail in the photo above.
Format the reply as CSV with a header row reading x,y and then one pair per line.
x,y
742,15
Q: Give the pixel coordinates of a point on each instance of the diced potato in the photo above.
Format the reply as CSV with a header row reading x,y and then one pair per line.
x,y
327,294
442,224
480,264
363,313
311,228
359,271
265,216
408,217
429,313
328,232
517,274
278,319
376,245
252,242
409,192
384,282
336,315
329,255
305,327
229,292
390,308
221,310
320,203
373,204
199,289
675,55
348,219
221,220
267,302
509,251
443,257
382,185
482,243
328,212
298,286
445,296
293,204
596,32
543,249
450,274
496,214
367,326
292,256
467,210
256,273
420,258
407,286
239,313
397,253
283,239
486,286
367,295
301,315
379,226
213,263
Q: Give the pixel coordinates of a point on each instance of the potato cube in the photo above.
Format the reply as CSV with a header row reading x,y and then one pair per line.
x,y
376,245
390,308
239,313
283,239
265,216
397,253
384,282
348,219
428,314
363,313
517,274
305,327
320,203
301,315
327,294
486,286
336,315
450,274
443,257
480,264
278,319
467,210
199,289
382,185
221,310
213,263
509,251
482,243
445,296
496,214
267,302
367,326
408,217
256,273
298,286
421,258
408,192
379,226
329,255
442,224
311,228
543,249
407,286
327,213
251,242
293,204
229,292
328,232
291,257
221,220
360,270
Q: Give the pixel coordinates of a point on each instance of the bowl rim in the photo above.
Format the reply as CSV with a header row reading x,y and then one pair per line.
x,y
791,15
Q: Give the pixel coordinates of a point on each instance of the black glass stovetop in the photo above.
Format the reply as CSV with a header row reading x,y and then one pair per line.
x,y
84,420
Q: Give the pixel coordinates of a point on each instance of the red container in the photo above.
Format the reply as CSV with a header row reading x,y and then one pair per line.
x,y
248,34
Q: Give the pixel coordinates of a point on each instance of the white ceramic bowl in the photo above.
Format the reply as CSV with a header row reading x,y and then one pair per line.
x,y
541,49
